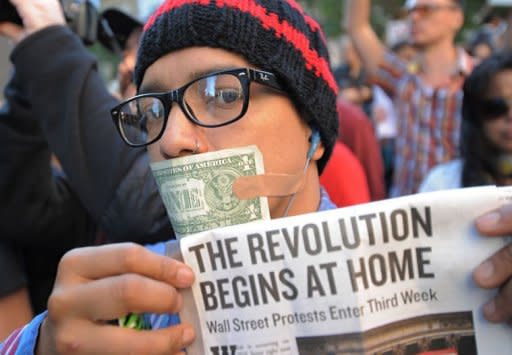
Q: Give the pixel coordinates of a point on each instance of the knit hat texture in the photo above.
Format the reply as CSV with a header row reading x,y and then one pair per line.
x,y
273,35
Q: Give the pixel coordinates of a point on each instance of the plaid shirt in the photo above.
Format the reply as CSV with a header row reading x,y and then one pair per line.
x,y
428,119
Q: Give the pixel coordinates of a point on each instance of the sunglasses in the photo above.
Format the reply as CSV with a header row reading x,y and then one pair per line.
x,y
426,10
494,108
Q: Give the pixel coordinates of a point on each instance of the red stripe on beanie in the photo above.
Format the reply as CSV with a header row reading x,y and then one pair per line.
x,y
283,29
314,62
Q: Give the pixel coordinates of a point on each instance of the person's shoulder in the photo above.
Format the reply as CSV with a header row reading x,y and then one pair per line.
x,y
350,111
465,62
443,177
449,170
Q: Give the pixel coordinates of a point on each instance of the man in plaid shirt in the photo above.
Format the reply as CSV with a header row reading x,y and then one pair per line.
x,y
427,93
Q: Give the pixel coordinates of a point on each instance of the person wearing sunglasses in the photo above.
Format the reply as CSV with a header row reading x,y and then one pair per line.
x,y
486,133
427,93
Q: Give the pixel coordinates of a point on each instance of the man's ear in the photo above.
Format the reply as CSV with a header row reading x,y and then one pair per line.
x,y
459,20
316,147
319,152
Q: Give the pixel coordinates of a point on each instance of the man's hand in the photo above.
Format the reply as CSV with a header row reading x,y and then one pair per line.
x,y
36,15
97,284
496,272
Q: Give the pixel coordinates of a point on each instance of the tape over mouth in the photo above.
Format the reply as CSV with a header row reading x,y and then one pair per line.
x,y
268,185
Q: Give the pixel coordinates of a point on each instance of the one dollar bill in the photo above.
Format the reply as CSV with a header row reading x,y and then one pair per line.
x,y
197,189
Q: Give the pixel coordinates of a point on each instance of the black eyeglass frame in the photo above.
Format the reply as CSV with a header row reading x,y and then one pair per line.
x,y
244,75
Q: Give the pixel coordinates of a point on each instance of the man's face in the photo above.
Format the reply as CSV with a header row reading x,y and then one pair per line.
x,y
272,123
433,21
125,68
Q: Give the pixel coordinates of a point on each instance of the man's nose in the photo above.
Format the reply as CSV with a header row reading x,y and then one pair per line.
x,y
181,136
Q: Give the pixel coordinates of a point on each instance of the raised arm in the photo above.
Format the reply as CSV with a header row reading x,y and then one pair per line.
x,y
357,25
112,181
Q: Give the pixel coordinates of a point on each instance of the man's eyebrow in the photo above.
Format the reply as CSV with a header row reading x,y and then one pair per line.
x,y
158,87
151,88
197,74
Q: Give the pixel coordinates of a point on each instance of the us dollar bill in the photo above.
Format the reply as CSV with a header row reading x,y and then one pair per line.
x,y
197,189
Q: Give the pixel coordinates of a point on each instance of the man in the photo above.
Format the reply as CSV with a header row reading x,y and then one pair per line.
x,y
292,96
226,48
427,95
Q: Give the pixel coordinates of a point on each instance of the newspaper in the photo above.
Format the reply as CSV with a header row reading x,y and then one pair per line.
x,y
391,277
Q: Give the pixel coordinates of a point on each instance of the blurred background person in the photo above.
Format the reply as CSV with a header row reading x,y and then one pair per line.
x,y
384,116
357,129
358,134
494,25
486,135
121,37
352,79
427,100
481,46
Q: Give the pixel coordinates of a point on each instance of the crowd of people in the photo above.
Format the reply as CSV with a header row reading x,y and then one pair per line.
x,y
79,200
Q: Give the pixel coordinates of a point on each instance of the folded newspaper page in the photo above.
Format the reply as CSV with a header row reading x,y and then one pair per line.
x,y
391,277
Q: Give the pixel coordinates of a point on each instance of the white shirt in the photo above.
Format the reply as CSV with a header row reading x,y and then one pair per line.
x,y
443,177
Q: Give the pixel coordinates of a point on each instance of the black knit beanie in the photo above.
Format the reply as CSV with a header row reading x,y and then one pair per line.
x,y
274,35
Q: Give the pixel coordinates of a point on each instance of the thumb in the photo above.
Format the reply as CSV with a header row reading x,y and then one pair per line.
x,y
497,222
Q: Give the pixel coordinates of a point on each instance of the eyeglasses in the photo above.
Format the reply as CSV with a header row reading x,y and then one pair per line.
x,y
494,108
426,10
213,100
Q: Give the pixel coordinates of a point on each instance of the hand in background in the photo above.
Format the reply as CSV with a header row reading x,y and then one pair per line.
x,y
36,15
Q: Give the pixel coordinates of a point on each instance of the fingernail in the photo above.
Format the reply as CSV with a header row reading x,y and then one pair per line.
x,y
485,270
185,275
489,220
188,335
489,308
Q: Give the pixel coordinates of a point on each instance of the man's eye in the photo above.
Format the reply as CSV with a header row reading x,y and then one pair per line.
x,y
227,96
